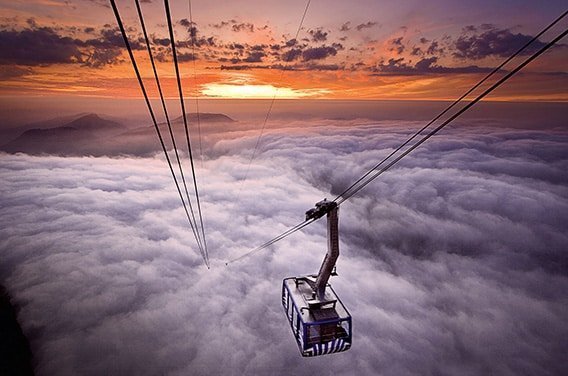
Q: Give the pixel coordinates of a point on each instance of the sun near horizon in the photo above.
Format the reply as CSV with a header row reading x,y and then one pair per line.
x,y
372,51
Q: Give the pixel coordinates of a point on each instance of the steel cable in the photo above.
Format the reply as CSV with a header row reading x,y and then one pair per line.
x,y
340,199
182,103
148,104
159,86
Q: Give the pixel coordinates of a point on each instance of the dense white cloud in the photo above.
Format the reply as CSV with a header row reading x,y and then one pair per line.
x,y
452,263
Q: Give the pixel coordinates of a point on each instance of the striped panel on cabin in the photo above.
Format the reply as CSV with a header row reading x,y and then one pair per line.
x,y
330,347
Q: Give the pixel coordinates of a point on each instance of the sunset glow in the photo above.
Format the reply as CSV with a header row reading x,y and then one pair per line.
x,y
256,91
161,161
376,50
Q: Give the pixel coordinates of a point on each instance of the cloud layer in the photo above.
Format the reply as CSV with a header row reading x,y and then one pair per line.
x,y
33,45
453,263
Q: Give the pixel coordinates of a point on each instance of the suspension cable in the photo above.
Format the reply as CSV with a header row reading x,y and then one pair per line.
x,y
290,231
182,102
159,86
269,112
340,199
377,173
148,104
494,71
191,34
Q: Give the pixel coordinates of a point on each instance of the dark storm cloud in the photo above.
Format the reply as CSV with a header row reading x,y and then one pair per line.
x,y
99,58
318,35
243,26
186,23
161,41
37,47
321,67
46,46
292,54
111,38
236,26
424,66
258,47
241,67
187,56
318,53
416,51
292,67
452,263
190,26
338,46
291,43
254,57
366,25
202,42
107,48
396,45
222,24
236,46
242,52
307,53
492,42
434,49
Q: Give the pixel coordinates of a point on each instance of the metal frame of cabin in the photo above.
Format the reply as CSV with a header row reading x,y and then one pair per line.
x,y
319,326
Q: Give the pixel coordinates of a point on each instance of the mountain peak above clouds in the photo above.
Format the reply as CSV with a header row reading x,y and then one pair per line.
x,y
91,134
93,122
206,117
65,138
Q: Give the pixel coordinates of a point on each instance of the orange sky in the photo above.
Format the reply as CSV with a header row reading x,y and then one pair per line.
x,y
246,49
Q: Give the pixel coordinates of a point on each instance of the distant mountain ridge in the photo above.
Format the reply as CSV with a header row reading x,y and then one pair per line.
x,y
89,122
205,117
64,137
94,122
90,134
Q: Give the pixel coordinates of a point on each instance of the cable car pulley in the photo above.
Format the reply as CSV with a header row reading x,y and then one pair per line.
x,y
320,322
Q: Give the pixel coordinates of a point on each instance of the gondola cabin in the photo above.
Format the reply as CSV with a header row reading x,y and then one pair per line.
x,y
320,327
320,322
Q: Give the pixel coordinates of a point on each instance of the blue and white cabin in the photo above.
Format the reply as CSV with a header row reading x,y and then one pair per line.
x,y
320,326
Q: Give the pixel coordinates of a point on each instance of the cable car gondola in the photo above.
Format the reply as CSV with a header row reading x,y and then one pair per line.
x,y
320,322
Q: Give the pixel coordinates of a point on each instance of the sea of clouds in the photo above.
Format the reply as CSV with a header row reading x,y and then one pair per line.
x,y
452,263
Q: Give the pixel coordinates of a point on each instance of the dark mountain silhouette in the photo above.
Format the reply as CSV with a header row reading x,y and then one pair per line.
x,y
92,122
65,139
92,135
206,118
